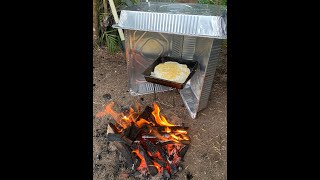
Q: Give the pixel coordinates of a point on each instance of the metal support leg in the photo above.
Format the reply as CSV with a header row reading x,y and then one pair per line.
x,y
154,92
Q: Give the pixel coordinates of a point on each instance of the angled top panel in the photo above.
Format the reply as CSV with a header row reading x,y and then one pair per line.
x,y
201,20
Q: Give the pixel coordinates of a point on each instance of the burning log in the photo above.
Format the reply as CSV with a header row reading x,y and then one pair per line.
x,y
148,136
136,163
151,168
162,152
151,147
172,128
146,114
128,131
163,143
186,142
132,132
112,129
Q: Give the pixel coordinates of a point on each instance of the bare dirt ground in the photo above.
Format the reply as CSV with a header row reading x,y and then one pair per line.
x,y
206,159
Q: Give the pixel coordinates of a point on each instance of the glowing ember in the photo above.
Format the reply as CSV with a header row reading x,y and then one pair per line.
x,y
158,166
143,163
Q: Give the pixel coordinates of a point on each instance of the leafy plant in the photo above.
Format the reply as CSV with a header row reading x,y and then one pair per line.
x,y
110,40
108,36
215,2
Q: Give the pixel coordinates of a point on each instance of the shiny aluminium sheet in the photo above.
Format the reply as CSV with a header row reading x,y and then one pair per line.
x,y
201,20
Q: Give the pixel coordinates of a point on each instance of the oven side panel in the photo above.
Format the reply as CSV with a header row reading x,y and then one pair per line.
x,y
213,58
142,49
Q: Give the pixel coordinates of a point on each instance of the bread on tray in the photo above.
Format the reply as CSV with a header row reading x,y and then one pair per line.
x,y
171,71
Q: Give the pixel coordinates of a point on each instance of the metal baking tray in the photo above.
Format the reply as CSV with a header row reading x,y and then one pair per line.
x,y
192,65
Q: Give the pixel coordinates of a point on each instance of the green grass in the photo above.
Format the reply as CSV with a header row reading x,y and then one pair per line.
x,y
214,2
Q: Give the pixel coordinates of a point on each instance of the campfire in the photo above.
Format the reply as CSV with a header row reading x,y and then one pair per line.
x,y
150,144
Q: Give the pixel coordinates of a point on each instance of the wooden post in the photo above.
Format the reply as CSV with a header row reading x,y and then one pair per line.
x,y
116,18
95,21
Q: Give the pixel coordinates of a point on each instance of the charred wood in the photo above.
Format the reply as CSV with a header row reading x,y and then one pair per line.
x,y
161,163
183,151
151,168
146,114
151,147
112,129
119,138
136,163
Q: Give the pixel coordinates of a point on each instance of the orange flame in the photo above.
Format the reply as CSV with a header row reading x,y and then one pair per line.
x,y
181,131
116,116
167,130
142,122
120,118
157,155
131,115
185,137
161,120
176,137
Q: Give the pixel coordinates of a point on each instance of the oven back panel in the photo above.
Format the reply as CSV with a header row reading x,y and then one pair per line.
x,y
143,48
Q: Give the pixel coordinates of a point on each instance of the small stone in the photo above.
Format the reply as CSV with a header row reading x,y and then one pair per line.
x,y
142,99
99,157
123,97
112,147
106,96
101,74
94,84
189,176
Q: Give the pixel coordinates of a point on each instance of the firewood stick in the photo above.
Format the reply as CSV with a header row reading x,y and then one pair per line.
x,y
151,168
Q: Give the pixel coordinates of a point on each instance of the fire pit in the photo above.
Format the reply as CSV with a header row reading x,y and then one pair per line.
x,y
191,32
151,145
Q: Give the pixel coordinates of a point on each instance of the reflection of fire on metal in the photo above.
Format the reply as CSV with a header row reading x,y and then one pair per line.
x,y
150,144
